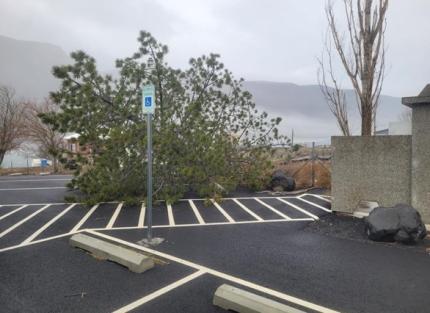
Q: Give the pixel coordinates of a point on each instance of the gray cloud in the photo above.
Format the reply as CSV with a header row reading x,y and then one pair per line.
x,y
275,40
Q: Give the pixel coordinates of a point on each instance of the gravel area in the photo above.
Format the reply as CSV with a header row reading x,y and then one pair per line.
x,y
347,227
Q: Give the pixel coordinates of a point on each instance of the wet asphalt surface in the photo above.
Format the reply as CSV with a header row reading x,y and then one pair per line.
x,y
338,273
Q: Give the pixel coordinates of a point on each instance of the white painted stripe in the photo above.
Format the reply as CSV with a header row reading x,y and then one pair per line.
x,y
248,210
160,226
141,216
306,219
84,219
273,209
52,203
196,212
318,196
244,198
52,221
299,208
114,216
34,180
40,188
170,215
222,275
223,212
21,245
159,292
114,202
14,211
314,204
23,221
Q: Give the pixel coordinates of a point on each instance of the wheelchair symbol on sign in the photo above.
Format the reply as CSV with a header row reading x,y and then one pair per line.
x,y
148,101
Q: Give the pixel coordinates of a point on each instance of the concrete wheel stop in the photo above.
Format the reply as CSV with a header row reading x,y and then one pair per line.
x,y
136,261
237,300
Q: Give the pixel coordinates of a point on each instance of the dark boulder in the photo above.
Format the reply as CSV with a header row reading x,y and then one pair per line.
x,y
401,223
281,182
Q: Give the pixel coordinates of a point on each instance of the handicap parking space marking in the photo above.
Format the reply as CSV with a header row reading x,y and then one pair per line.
x,y
11,228
85,218
273,209
13,211
114,215
322,197
196,212
141,216
223,212
200,270
245,208
49,223
299,208
190,215
314,204
22,221
160,292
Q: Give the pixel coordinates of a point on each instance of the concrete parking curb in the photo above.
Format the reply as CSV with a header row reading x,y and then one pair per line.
x,y
241,301
135,261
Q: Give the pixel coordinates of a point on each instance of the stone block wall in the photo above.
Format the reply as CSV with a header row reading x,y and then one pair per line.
x,y
376,168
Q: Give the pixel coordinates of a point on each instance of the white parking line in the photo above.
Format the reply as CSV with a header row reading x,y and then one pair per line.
x,y
170,215
83,220
34,180
314,204
196,212
160,292
40,188
21,245
14,211
299,208
222,275
114,215
23,221
318,196
273,209
247,210
141,216
52,221
223,212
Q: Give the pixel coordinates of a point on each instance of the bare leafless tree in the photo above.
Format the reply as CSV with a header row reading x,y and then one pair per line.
x,y
48,140
334,94
361,50
12,130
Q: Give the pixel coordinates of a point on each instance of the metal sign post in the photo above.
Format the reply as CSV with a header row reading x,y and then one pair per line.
x,y
148,106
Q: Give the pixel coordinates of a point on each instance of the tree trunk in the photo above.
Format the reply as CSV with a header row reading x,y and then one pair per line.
x,y
366,121
55,164
2,154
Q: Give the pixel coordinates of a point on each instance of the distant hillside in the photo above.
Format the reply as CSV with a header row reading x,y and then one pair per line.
x,y
305,109
26,66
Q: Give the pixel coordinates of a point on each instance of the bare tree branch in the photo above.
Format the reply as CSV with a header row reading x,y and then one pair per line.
x,y
12,131
363,54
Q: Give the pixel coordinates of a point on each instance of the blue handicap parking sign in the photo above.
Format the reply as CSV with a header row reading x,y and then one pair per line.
x,y
148,101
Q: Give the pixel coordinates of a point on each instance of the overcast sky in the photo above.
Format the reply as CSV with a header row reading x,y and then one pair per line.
x,y
274,40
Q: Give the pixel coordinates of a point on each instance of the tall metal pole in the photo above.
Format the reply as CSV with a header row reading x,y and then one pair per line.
x,y
149,172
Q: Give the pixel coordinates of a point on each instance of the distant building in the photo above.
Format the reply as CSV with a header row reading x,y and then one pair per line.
x,y
396,128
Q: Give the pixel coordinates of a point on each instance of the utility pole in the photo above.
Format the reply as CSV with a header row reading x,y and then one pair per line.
x,y
292,137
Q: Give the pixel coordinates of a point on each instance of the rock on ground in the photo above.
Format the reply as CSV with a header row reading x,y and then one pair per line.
x,y
401,223
281,182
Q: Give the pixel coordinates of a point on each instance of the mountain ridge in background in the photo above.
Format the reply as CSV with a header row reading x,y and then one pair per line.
x,y
26,66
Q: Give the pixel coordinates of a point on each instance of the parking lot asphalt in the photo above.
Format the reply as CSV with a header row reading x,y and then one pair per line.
x,y
34,189
252,242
